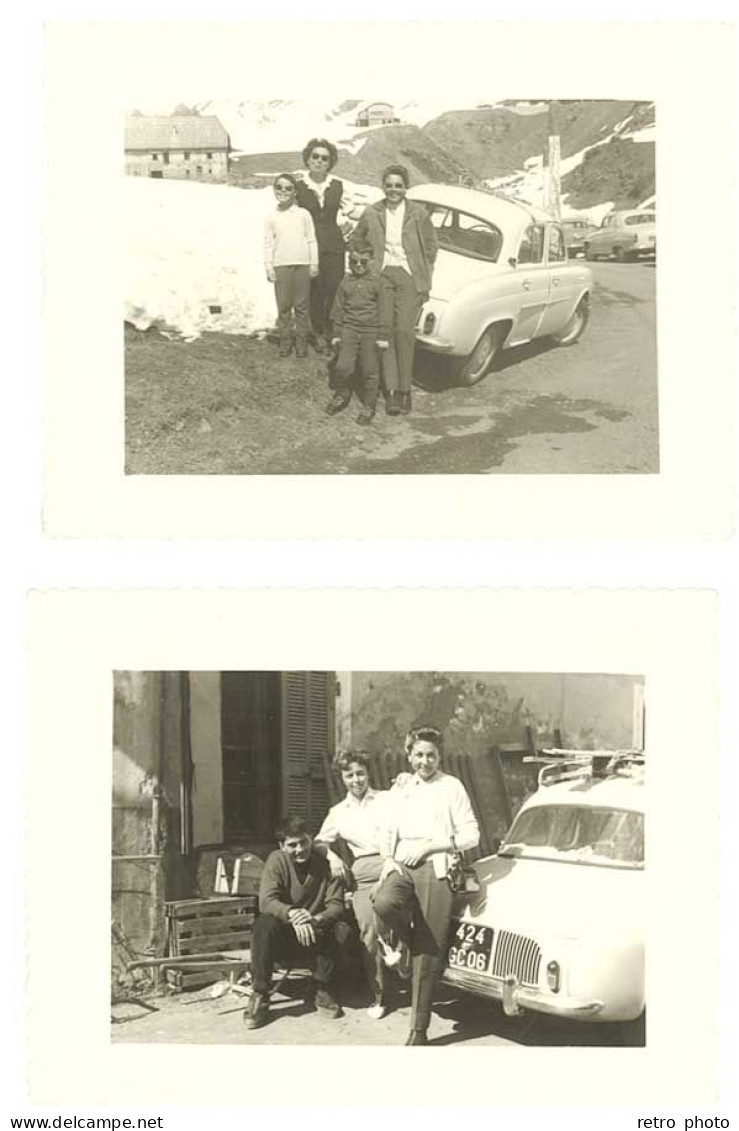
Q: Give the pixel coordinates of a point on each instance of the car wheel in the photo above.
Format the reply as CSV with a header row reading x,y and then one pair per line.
x,y
471,369
619,253
574,329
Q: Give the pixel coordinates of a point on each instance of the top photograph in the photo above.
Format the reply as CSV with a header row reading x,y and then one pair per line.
x,y
390,288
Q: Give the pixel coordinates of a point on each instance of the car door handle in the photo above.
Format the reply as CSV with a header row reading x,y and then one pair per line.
x,y
555,281
526,284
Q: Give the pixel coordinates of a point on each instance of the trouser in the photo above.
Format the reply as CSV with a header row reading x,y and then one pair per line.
x,y
417,905
272,941
323,289
363,343
399,306
366,873
292,286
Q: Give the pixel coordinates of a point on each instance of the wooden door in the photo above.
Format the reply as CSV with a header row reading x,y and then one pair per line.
x,y
250,746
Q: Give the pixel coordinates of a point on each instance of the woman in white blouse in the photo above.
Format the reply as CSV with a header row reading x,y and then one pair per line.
x,y
429,818
358,822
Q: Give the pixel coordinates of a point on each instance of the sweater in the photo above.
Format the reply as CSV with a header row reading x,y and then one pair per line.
x,y
281,888
436,810
289,239
356,306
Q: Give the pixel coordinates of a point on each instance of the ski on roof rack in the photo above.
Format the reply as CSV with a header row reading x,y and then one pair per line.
x,y
560,765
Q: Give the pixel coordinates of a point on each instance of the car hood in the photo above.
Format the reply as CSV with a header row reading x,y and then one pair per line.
x,y
526,895
452,272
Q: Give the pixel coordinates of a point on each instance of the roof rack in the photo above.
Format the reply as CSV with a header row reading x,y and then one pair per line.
x,y
560,765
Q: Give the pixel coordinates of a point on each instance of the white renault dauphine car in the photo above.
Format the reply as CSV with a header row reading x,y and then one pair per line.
x,y
557,925
502,278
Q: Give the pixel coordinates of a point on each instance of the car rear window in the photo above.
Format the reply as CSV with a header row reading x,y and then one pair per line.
x,y
465,234
643,218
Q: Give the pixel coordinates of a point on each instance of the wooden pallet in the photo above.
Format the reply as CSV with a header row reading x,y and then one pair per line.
x,y
180,978
201,926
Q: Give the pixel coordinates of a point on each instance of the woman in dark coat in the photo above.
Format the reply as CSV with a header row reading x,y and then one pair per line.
x,y
322,195
403,240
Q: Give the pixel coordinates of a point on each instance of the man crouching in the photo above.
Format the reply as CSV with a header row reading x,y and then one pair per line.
x,y
300,921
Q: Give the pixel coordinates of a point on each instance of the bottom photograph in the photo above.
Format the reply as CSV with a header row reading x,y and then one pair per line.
x,y
378,858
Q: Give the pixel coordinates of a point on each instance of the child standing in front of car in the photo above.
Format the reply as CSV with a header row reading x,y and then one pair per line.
x,y
291,261
355,320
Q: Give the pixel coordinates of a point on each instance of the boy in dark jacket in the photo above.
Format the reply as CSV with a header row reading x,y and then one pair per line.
x,y
357,332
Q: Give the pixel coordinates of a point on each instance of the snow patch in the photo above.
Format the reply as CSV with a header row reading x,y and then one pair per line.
x,y
192,247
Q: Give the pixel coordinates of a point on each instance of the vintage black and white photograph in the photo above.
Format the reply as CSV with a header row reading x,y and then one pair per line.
x,y
378,858
369,283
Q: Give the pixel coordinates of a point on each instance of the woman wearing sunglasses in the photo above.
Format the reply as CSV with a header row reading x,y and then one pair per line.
x,y
322,195
428,820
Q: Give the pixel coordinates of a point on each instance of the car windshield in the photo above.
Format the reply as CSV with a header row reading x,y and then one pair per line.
x,y
578,834
465,234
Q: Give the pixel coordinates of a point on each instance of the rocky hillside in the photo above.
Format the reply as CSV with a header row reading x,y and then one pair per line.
x,y
425,159
621,171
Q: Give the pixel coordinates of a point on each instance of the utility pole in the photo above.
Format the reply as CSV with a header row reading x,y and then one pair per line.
x,y
552,199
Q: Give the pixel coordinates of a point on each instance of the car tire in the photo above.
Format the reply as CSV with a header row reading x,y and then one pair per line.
x,y
471,369
574,329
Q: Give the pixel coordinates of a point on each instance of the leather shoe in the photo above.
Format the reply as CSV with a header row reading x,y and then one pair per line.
x,y
366,416
417,1037
338,403
256,1013
392,407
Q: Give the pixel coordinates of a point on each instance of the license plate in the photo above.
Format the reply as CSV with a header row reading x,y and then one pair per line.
x,y
470,947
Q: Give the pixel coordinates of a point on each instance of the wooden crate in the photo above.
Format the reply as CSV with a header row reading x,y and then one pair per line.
x,y
202,926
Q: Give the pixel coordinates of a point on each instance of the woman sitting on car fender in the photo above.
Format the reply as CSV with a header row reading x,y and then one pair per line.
x,y
429,818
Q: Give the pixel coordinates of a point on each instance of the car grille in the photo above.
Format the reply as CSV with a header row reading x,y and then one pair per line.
x,y
517,955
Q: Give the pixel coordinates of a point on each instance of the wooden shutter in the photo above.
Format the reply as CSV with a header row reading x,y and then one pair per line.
x,y
307,744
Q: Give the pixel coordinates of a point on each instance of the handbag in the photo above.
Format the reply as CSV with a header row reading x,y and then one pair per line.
x,y
460,876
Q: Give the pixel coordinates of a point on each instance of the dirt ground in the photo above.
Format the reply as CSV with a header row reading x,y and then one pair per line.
x,y
197,1018
227,405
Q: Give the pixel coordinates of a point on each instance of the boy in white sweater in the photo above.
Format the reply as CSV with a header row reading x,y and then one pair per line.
x,y
291,261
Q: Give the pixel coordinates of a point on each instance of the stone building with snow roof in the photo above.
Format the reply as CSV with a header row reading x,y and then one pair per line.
x,y
181,147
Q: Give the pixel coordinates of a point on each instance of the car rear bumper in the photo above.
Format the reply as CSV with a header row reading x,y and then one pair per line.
x,y
436,345
516,997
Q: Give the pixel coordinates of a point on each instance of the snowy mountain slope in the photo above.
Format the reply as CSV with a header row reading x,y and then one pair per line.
x,y
286,125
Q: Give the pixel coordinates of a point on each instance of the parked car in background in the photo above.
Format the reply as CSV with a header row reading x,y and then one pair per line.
x,y
576,232
626,235
502,278
557,925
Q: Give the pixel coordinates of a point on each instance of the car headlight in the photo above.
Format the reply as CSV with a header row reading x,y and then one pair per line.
x,y
429,322
553,976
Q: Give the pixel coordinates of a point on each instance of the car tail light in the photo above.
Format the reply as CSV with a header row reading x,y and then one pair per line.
x,y
428,323
553,976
